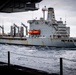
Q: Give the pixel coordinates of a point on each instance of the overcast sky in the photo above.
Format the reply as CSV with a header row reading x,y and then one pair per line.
x,y
65,9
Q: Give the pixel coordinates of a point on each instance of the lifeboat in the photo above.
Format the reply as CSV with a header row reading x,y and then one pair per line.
x,y
34,32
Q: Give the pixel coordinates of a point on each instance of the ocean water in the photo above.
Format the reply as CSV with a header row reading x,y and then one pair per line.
x,y
42,58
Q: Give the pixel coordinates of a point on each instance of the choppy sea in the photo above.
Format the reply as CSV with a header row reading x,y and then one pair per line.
x,y
42,58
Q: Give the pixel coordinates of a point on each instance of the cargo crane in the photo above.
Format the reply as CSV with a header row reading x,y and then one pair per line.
x,y
2,27
15,26
25,27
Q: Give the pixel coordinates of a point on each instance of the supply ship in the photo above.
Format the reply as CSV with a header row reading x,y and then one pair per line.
x,y
49,32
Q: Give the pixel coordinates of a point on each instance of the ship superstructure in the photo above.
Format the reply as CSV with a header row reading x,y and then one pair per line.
x,y
49,32
50,27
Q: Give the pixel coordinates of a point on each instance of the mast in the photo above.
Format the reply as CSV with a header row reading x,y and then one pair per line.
x,y
44,9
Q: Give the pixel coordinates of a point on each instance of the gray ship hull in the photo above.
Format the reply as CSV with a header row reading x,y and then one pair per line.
x,y
39,42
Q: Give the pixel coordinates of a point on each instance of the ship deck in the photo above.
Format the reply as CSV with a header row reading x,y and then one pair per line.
x,y
17,69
